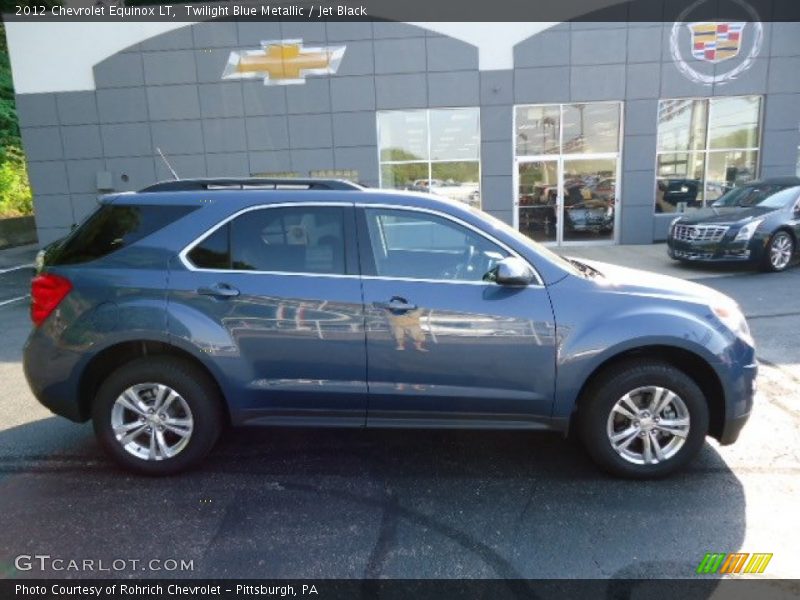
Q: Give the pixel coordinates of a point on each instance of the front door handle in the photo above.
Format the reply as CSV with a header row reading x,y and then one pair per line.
x,y
219,290
396,303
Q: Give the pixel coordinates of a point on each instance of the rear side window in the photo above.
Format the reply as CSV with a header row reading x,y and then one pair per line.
x,y
110,228
307,239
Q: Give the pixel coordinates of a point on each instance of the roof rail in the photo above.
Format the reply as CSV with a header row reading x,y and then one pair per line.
x,y
250,183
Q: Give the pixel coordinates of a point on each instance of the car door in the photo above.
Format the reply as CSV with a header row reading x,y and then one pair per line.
x,y
273,297
444,346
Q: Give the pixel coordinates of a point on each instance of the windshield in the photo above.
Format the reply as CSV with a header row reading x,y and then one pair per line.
x,y
748,195
780,199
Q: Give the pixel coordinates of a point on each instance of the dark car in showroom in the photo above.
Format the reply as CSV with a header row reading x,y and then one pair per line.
x,y
589,208
195,304
756,223
676,195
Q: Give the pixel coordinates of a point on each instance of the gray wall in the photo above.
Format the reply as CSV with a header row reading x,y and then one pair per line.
x,y
632,62
167,92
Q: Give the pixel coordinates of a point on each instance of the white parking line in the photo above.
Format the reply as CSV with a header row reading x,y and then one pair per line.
x,y
17,268
12,300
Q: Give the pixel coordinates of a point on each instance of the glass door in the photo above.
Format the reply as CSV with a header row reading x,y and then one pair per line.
x,y
538,199
590,199
567,199
567,171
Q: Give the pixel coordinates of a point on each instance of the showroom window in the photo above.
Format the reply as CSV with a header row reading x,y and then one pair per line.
x,y
705,148
797,168
567,168
436,150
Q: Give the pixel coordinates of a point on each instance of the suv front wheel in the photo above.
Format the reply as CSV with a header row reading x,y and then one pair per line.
x,y
157,415
643,419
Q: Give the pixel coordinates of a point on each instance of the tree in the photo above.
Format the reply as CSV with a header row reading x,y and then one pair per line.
x,y
15,192
9,127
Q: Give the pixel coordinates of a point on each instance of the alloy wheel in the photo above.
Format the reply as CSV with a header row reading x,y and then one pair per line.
x,y
648,425
780,251
152,421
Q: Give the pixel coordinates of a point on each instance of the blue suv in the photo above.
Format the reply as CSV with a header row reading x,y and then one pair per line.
x,y
173,312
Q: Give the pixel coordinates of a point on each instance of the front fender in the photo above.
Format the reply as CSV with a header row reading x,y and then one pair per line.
x,y
593,332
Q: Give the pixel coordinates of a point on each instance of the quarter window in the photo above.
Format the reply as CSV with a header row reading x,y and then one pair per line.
x,y
414,245
113,227
285,240
705,148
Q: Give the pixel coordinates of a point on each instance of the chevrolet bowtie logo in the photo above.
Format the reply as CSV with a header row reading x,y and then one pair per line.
x,y
283,62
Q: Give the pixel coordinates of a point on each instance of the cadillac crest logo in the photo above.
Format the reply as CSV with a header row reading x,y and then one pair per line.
x,y
715,42
732,42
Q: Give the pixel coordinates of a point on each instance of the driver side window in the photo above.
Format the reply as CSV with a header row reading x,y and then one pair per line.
x,y
417,245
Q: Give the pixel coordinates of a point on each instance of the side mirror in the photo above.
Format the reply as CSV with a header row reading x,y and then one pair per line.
x,y
510,271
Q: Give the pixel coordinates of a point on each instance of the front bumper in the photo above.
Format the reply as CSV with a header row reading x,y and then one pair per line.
x,y
732,429
585,220
722,251
740,391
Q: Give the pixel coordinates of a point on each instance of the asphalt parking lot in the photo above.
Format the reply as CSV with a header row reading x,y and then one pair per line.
x,y
427,504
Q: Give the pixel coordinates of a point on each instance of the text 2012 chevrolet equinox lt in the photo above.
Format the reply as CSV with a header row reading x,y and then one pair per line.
x,y
172,312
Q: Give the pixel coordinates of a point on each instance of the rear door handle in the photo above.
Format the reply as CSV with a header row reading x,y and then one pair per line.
x,y
219,290
396,303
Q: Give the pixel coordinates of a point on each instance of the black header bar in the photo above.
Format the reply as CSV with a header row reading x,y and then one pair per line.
x,y
579,11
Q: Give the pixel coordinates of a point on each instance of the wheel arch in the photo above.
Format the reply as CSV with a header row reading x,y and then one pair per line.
x,y
691,363
107,360
786,228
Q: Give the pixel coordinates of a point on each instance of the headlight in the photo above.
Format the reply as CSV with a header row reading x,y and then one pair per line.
x,y
746,232
673,223
731,316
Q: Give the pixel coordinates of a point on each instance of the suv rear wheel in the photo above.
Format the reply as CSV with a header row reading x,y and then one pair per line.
x,y
643,419
157,415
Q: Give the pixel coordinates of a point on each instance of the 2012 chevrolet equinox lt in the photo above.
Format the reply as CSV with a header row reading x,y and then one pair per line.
x,y
174,311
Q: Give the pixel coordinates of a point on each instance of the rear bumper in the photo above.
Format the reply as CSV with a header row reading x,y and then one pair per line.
x,y
50,376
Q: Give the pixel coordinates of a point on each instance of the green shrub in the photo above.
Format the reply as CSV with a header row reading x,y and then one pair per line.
x,y
15,192
16,199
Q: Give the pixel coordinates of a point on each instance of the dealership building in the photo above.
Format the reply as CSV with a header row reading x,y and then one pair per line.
x,y
575,133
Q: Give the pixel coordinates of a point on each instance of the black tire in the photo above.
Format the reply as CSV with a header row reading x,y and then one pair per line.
x,y
777,237
195,387
603,393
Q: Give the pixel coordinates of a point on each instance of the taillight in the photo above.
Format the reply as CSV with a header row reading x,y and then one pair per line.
x,y
47,291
